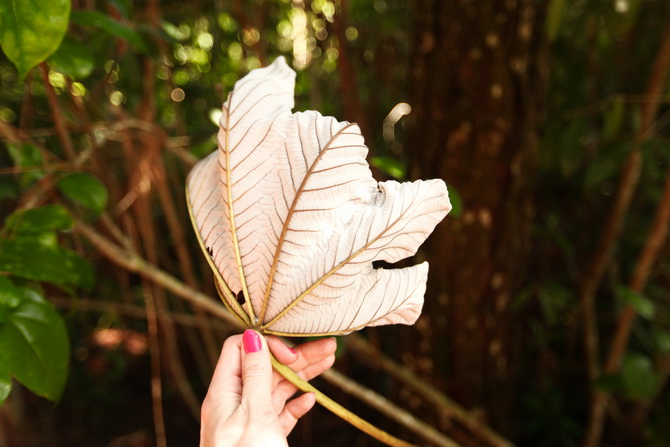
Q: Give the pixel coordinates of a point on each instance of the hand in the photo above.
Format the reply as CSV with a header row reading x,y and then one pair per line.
x,y
247,404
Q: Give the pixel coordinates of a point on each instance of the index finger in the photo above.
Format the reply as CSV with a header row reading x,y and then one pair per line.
x,y
225,389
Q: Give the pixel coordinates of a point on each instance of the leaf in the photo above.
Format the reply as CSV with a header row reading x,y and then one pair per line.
x,y
638,378
642,305
662,340
73,58
291,217
85,190
5,387
39,220
390,166
26,155
34,347
36,259
32,30
9,294
8,189
173,32
111,26
456,202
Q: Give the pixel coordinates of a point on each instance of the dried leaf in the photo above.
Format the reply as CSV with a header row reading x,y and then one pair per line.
x,y
291,218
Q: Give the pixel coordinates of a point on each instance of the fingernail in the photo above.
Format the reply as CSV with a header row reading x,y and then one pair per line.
x,y
292,350
252,341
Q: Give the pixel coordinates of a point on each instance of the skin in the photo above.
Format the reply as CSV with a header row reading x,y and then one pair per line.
x,y
248,404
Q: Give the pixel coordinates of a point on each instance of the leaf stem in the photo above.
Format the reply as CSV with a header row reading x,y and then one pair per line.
x,y
336,408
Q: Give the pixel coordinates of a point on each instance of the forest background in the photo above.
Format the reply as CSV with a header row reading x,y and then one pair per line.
x,y
547,315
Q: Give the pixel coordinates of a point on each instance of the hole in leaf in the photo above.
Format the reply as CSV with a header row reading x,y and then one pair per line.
x,y
383,265
240,298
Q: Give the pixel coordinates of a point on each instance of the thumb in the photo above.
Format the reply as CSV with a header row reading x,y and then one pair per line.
x,y
256,371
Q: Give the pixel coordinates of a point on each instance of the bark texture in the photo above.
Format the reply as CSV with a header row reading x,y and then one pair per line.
x,y
476,99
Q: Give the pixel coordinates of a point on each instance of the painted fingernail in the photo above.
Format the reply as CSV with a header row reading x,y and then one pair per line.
x,y
252,341
292,350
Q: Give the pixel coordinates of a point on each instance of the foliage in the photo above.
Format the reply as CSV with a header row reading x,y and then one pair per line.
x,y
595,105
31,31
105,131
34,346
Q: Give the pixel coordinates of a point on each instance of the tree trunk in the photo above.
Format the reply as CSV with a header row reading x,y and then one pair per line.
x,y
476,94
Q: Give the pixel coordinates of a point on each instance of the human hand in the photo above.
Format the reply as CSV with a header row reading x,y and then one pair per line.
x,y
247,404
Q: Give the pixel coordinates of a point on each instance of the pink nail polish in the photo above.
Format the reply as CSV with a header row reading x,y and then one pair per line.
x,y
251,341
292,350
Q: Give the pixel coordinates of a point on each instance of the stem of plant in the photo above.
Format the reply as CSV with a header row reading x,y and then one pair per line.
x,y
336,408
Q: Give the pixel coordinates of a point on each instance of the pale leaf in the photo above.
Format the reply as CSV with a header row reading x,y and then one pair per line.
x,y
292,220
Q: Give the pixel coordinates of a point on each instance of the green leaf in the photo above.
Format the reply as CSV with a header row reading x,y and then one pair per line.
x,y
125,7
204,148
34,347
8,189
555,13
642,305
32,30
32,258
39,220
10,295
5,386
390,166
173,32
73,59
26,155
456,201
85,190
638,378
111,26
662,339
4,311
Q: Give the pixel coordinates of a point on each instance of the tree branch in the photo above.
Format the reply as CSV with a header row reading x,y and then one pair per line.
x,y
56,114
443,404
132,262
389,409
593,276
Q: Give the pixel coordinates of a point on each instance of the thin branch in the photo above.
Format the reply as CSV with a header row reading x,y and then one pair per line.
x,y
445,406
141,212
339,410
177,145
389,409
655,243
184,259
134,311
603,254
57,114
653,246
130,261
51,164
155,357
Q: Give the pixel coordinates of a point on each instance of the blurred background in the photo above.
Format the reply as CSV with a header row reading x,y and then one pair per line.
x,y
547,315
